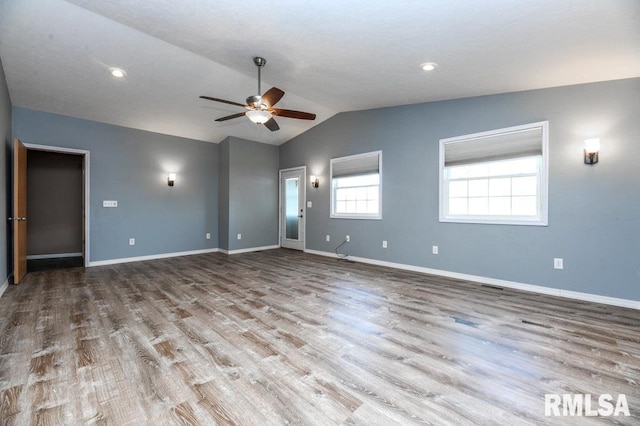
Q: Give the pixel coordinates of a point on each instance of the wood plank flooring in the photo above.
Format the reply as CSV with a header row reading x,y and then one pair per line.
x,y
282,337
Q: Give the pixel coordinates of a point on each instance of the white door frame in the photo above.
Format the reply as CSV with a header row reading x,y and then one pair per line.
x,y
303,186
85,184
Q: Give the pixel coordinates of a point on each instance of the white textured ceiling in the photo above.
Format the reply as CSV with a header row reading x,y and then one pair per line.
x,y
329,56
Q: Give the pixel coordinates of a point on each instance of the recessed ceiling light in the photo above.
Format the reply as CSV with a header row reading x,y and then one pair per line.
x,y
117,72
428,66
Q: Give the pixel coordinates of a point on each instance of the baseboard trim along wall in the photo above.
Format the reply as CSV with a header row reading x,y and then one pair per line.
x,y
588,297
177,254
150,257
52,256
5,285
248,250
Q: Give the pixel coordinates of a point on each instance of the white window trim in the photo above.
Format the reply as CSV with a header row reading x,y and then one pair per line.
x,y
333,215
500,220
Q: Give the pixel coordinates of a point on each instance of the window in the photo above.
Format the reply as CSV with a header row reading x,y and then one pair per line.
x,y
356,186
495,177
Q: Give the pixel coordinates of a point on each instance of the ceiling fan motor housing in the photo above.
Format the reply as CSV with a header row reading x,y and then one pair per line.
x,y
254,101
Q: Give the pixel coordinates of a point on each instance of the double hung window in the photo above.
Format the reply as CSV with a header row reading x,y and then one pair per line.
x,y
356,186
495,177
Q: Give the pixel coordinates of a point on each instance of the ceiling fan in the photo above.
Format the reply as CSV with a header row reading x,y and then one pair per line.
x,y
260,109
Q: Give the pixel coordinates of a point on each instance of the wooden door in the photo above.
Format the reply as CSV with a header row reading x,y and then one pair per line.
x,y
19,211
84,211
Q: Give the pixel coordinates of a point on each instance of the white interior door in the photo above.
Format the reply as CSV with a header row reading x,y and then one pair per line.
x,y
292,198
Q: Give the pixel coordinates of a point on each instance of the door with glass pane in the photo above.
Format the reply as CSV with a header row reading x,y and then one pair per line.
x,y
292,196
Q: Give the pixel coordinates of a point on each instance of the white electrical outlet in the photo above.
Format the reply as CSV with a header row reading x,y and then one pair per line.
x,y
109,203
132,241
239,236
348,238
558,263
434,249
384,243
327,238
207,236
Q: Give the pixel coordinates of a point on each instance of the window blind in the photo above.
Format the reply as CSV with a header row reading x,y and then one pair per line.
x,y
523,143
359,165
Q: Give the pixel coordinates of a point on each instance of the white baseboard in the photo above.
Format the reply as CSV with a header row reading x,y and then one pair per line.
x,y
52,256
150,257
5,285
588,297
248,250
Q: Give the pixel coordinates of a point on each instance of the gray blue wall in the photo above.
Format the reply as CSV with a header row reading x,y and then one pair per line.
x,y
5,174
131,166
250,196
594,211
223,196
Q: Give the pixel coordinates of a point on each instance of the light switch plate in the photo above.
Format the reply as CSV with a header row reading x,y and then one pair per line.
x,y
309,204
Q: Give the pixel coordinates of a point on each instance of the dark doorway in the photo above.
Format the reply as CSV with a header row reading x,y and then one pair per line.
x,y
55,206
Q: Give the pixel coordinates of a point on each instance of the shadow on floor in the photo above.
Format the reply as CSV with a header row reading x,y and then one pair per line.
x,y
36,265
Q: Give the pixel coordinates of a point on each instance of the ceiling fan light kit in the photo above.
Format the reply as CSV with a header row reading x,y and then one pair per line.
x,y
258,116
260,109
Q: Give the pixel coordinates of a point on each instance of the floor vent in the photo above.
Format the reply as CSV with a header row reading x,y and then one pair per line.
x,y
465,322
495,287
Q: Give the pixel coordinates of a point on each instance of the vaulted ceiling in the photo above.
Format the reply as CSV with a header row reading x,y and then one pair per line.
x,y
328,56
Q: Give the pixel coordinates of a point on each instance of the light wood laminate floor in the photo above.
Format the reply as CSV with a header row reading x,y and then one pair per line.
x,y
283,337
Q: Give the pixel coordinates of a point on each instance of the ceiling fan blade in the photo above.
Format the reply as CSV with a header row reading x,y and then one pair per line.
x,y
272,96
223,101
272,125
292,114
229,117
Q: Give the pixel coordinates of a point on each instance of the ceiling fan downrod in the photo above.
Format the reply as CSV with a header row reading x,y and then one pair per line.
x,y
260,62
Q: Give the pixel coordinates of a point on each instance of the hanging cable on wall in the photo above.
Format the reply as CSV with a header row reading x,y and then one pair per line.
x,y
341,256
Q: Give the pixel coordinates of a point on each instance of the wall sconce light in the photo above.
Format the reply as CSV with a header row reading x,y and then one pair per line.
x,y
171,179
591,150
315,182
